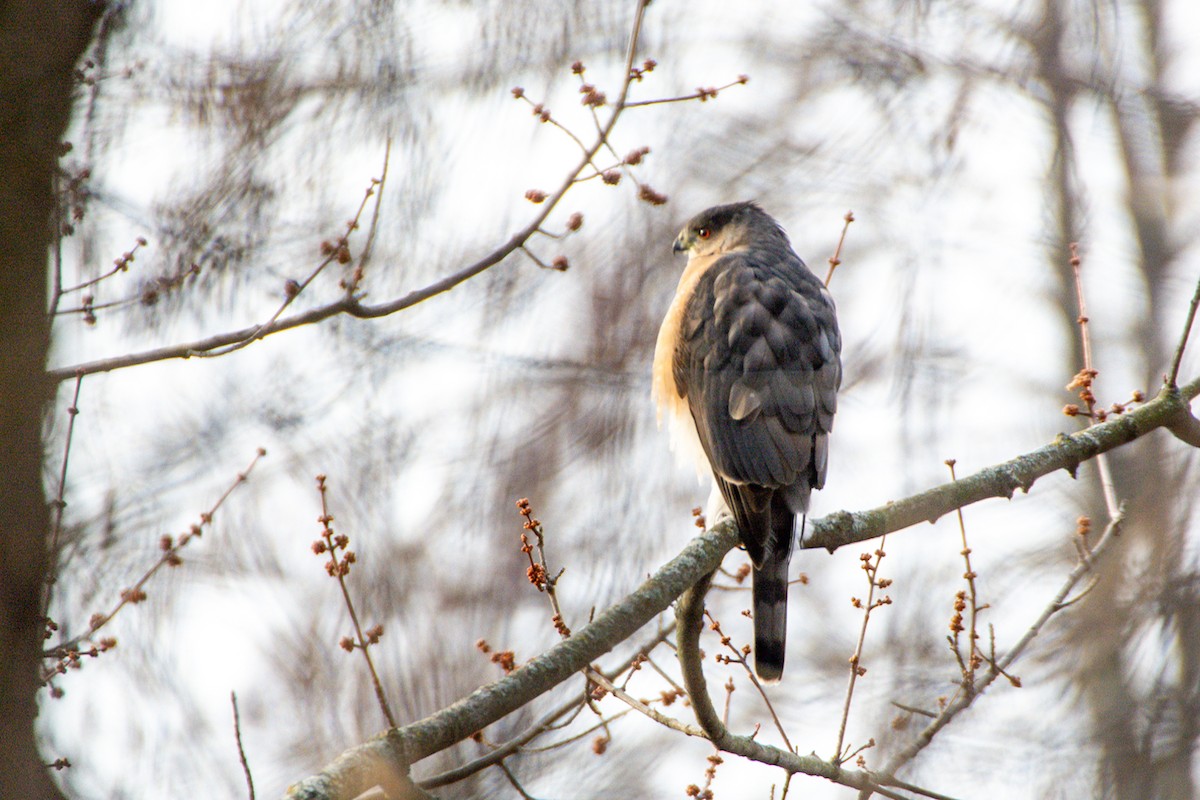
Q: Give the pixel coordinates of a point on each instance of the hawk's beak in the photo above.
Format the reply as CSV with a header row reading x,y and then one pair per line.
x,y
679,245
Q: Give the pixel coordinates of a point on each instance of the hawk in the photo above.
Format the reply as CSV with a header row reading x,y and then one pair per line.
x,y
747,366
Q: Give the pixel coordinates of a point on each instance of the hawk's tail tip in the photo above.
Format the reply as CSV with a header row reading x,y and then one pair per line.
x,y
768,666
768,672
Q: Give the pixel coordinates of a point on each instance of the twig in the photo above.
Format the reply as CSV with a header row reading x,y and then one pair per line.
x,y
836,258
1183,337
542,725
120,264
539,571
1082,319
914,710
689,613
59,504
350,285
237,732
969,603
729,689
661,673
710,774
638,705
702,94
739,657
338,251
998,669
339,569
512,779
87,307
171,547
1084,381
544,114
871,568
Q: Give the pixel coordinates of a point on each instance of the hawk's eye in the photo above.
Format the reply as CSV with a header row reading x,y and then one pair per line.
x,y
704,233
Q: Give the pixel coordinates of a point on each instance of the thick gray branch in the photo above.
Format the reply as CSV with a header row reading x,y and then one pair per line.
x,y
1168,410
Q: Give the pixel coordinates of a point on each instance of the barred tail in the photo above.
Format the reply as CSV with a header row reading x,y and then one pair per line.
x,y
770,617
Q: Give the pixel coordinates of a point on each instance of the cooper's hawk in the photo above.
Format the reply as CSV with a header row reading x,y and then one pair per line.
x,y
747,366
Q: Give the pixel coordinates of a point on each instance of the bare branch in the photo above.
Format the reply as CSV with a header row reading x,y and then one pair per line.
x,y
1003,480
59,504
870,566
689,614
237,732
339,569
638,705
358,769
542,725
352,305
1000,668
835,260
1183,337
171,547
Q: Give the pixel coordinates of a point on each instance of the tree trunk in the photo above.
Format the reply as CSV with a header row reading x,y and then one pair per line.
x,y
40,43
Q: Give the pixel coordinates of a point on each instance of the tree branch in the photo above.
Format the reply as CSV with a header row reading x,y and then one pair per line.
x,y
353,306
541,726
964,699
357,769
1168,410
689,616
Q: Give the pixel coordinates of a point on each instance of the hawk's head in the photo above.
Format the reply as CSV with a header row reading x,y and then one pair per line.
x,y
723,228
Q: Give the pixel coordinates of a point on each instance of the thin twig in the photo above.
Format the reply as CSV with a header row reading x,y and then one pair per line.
x,y
700,94
573,704
334,251
1183,337
1085,381
914,710
971,662
59,504
871,568
1000,668
739,657
539,571
836,258
662,673
544,114
171,547
638,705
119,265
512,779
340,569
237,732
350,286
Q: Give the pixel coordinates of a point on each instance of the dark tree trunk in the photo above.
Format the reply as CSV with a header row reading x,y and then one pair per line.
x,y
40,43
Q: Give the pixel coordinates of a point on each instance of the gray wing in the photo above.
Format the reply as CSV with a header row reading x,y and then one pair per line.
x,y
759,363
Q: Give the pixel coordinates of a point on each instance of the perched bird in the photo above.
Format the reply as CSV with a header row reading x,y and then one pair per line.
x,y
748,367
